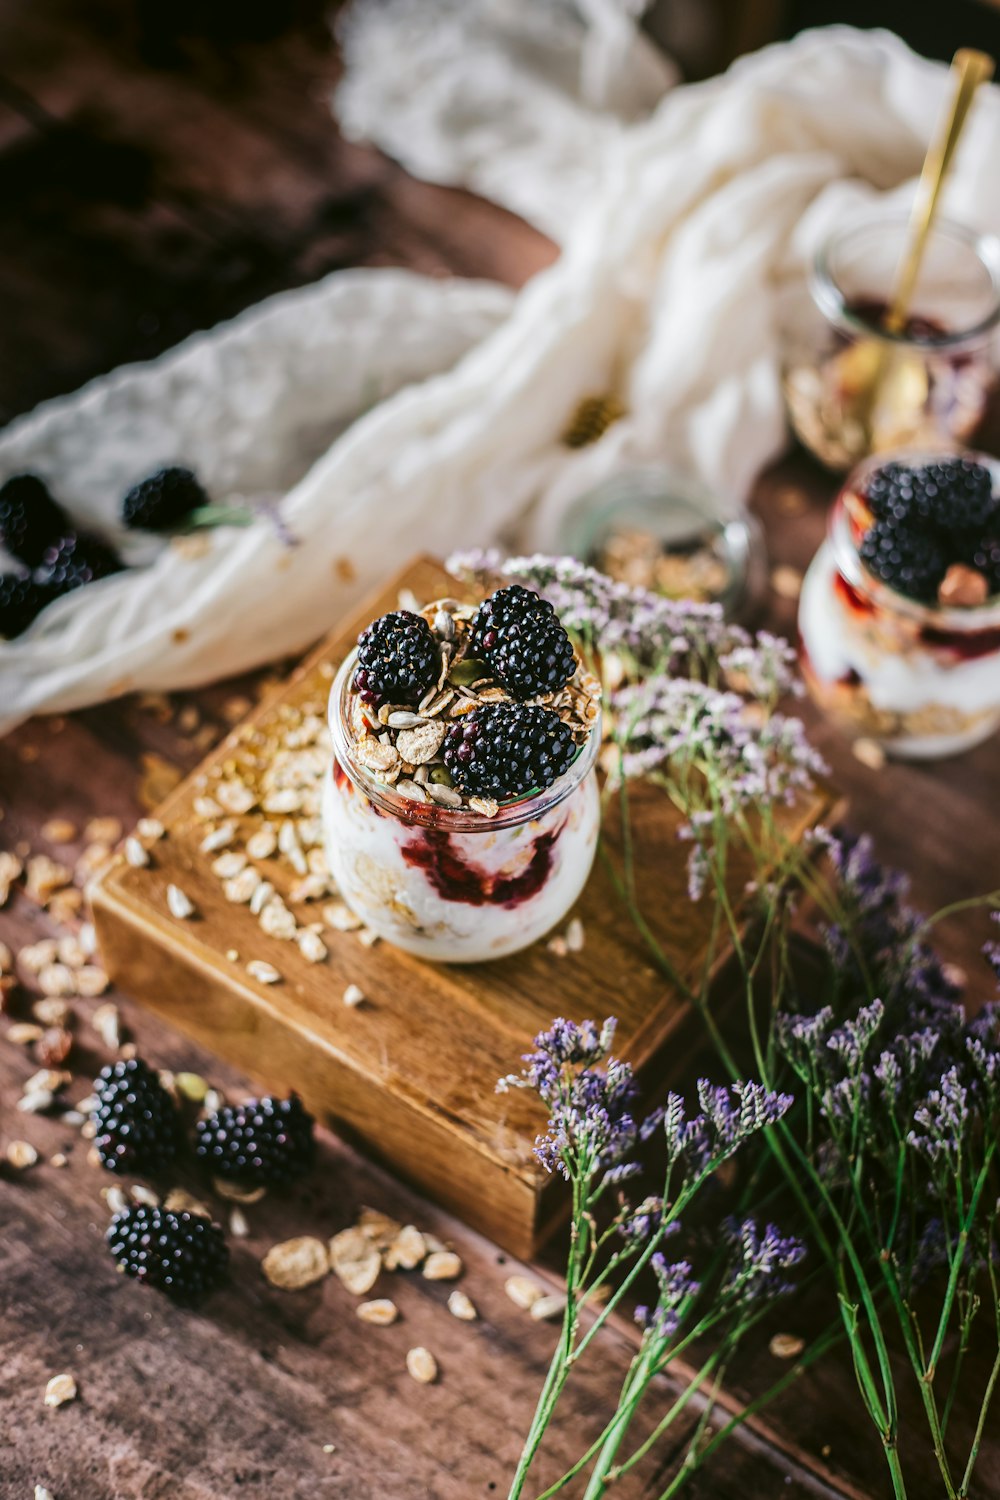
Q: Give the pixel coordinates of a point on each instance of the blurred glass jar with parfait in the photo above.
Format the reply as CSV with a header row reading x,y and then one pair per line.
x,y
852,388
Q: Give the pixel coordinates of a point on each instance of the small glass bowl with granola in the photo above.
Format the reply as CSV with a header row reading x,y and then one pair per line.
x,y
461,810
899,615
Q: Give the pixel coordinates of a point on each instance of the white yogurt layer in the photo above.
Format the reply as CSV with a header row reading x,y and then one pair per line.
x,y
408,901
837,643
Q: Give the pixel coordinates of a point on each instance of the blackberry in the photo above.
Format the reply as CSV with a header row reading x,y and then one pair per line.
x,y
182,1254
163,500
137,1124
986,557
520,636
397,659
29,518
912,562
950,494
75,559
263,1143
505,750
21,600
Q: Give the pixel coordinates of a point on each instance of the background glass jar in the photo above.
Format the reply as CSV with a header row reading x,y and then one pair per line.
x,y
922,679
449,884
936,375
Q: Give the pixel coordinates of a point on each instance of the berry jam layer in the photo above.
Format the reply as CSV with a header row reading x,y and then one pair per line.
x,y
460,897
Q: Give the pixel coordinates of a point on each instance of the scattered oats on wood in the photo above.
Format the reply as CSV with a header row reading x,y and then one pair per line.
x,y
233,1192
522,1291
87,938
91,981
144,1195
219,838
59,1160
422,1365
575,936
264,973
277,921
297,1263
51,1079
379,1227
291,848
53,1012
21,1155
72,951
88,1105
309,888
312,946
558,946
106,1021
355,1260
116,1198
340,917
284,800
60,1389
382,1311
354,996
235,797
442,1265
263,843
150,828
179,1201
179,905
461,1307
103,831
37,956
59,831
407,1250
57,980
239,1226
136,853
870,753
786,1346
367,937
261,897
552,1306
432,1243
23,1033
54,1046
206,808
41,1493
36,1102
88,1131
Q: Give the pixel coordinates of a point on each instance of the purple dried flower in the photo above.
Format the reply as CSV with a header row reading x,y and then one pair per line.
x,y
677,1289
760,1260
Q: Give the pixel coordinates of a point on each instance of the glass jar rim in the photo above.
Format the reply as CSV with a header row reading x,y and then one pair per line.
x,y
965,619
832,303
433,814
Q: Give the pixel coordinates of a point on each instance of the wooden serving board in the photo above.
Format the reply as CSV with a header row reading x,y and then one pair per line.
x,y
411,1074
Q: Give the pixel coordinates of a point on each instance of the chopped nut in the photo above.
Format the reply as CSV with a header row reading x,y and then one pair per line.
x,y
340,917
59,831
354,996
312,947
379,1227
407,1250
235,797
870,753
57,980
91,981
241,888
442,1265
355,1260
460,1306
522,1291
381,1312
20,1155
103,831
962,586
136,853
786,1345
150,828
44,877
58,1160
54,1046
41,1493
178,1201
36,1102
277,921
116,1199
60,1389
558,946
422,1365
52,1012
264,973
23,1033
106,1021
552,1306
296,1263
219,838
261,896
179,904
575,936
231,863
239,1227
37,956
206,809
263,843
234,1192
144,1195
71,952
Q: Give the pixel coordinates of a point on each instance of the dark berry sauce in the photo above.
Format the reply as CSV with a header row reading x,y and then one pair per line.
x,y
433,852
968,645
852,597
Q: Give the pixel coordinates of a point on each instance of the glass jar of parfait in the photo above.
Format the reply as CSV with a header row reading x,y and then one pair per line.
x,y
853,387
899,615
461,811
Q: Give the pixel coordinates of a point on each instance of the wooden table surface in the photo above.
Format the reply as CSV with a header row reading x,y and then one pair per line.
x,y
151,185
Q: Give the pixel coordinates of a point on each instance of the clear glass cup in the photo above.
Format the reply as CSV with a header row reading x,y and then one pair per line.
x,y
449,884
934,377
921,679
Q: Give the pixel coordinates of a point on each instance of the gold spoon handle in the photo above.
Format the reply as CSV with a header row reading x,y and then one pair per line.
x,y
969,69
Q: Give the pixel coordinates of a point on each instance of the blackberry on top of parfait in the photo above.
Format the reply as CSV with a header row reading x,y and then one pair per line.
x,y
471,707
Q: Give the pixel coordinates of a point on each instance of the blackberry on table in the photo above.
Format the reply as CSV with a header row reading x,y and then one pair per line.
x,y
505,750
29,518
182,1254
75,559
397,659
136,1119
519,634
163,500
263,1143
21,600
912,562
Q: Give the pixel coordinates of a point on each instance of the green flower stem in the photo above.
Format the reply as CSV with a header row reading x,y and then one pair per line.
x,y
619,1427
991,1384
